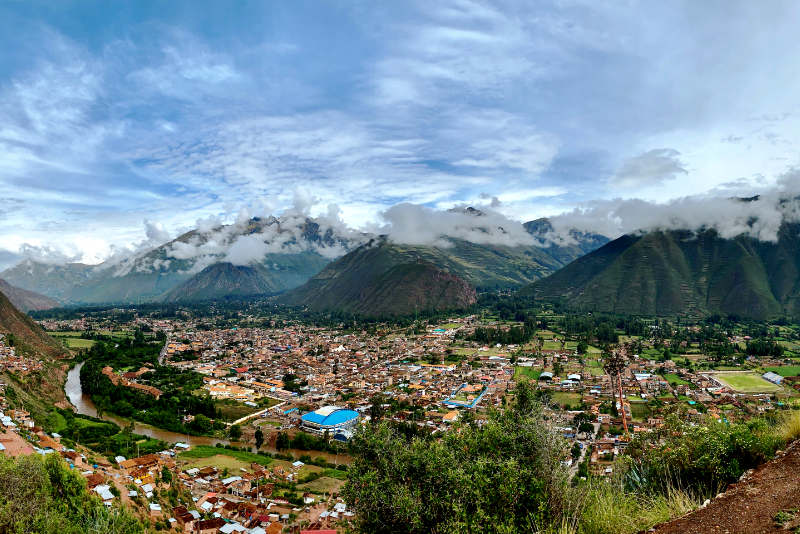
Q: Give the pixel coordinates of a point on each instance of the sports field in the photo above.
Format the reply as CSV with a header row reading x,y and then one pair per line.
x,y
747,382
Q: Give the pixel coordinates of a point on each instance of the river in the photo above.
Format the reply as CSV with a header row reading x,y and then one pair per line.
x,y
83,405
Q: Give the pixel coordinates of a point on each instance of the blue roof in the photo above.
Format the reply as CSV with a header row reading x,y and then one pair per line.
x,y
335,418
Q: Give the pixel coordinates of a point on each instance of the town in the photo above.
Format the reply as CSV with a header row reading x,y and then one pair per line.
x,y
290,396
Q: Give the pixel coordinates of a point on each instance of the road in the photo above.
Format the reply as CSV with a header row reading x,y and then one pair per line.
x,y
256,414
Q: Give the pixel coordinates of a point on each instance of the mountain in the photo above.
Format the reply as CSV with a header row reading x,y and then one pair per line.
x,y
223,280
563,249
40,390
26,300
283,253
29,337
287,251
671,272
54,281
348,285
381,279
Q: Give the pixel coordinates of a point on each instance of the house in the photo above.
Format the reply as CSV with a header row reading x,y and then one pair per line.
x,y
209,526
104,491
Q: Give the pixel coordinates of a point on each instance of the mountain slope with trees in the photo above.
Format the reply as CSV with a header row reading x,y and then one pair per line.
x,y
670,272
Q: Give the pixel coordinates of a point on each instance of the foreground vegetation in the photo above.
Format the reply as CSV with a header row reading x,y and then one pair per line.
x,y
507,475
42,496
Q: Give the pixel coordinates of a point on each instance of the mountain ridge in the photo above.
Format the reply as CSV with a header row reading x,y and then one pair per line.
x,y
680,271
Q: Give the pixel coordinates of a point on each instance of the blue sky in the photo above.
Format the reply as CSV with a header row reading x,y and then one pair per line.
x,y
126,122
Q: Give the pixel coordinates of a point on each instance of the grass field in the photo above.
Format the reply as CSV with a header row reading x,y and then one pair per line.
x,y
747,383
640,411
674,379
205,452
231,410
785,370
563,398
323,484
73,340
530,373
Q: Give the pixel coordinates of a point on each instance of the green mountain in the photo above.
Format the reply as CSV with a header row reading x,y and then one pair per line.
x,y
287,250
351,283
26,300
380,279
671,272
224,280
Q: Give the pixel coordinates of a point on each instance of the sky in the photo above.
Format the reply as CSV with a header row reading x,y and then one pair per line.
x,y
123,124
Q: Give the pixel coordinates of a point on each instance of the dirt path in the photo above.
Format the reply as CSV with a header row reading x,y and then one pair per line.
x,y
751,505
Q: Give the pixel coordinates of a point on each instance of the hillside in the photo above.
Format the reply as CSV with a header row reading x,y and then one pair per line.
x,y
26,300
664,273
38,391
752,505
382,279
223,280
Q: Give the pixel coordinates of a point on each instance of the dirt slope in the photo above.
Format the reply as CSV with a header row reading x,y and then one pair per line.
x,y
751,505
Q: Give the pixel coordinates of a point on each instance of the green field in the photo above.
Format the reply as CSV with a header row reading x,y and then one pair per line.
x,y
747,382
675,380
563,398
206,452
785,370
231,410
640,411
530,373
73,340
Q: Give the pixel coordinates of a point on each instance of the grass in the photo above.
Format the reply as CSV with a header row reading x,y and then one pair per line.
x,y
231,410
785,370
529,373
204,451
790,427
640,411
563,398
73,340
610,510
322,485
675,380
747,383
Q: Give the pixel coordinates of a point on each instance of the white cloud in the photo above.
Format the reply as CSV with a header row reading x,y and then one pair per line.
x,y
650,168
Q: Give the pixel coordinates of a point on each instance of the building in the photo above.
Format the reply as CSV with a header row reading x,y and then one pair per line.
x,y
332,419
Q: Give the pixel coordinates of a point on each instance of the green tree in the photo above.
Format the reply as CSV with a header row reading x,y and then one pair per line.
x,y
282,442
504,476
259,438
235,432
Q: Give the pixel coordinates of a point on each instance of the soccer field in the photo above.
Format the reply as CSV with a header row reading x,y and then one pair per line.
x,y
747,382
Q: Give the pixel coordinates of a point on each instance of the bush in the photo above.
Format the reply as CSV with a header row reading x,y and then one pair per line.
x,y
504,476
702,458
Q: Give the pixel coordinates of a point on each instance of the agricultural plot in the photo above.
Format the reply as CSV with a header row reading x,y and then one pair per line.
x,y
563,398
530,373
747,382
785,370
675,380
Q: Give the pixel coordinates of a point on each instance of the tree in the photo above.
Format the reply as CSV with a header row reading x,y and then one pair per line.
x,y
282,442
202,424
235,432
259,438
166,475
504,476
582,347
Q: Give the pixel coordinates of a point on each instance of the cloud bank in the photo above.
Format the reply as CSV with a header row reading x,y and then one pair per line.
x,y
759,216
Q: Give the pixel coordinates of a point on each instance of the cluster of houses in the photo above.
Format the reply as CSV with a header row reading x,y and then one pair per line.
x,y
10,361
